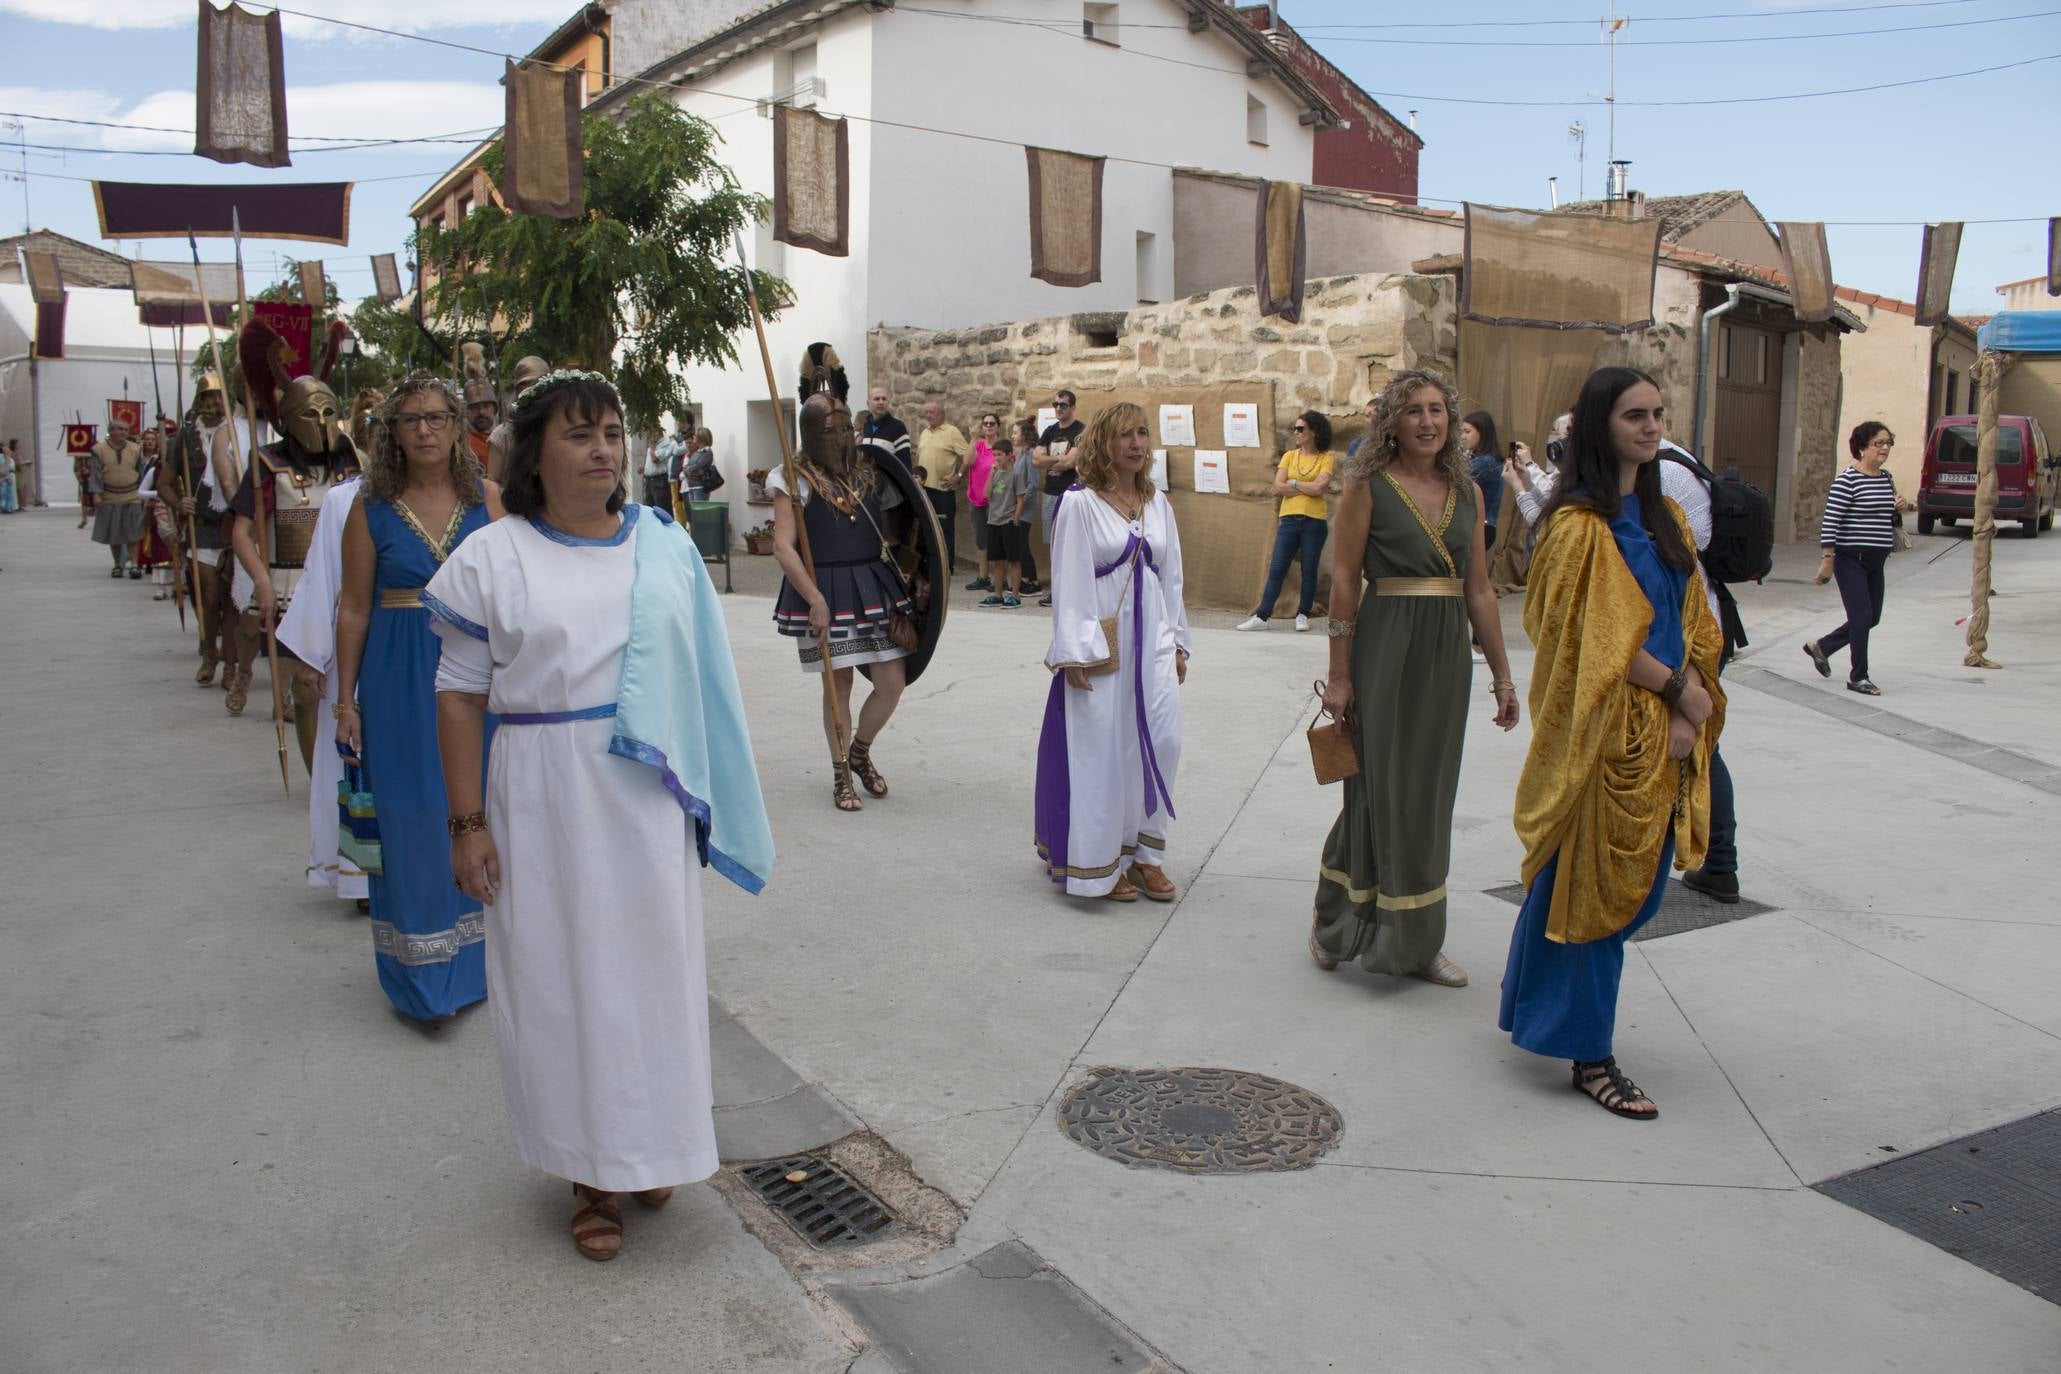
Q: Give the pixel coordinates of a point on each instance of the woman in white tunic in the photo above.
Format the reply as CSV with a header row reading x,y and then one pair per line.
x,y
596,974
1112,739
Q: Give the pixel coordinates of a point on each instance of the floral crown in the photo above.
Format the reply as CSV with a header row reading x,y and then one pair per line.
x,y
532,398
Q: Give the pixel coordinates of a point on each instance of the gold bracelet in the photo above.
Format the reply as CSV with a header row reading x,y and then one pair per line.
x,y
1502,687
469,824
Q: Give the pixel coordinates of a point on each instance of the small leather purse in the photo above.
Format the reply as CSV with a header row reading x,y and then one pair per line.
x,y
1104,667
1334,747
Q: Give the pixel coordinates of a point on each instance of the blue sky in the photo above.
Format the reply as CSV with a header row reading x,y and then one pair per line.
x,y
1974,149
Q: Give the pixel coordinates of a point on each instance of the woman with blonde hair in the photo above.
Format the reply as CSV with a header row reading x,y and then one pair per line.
x,y
1120,646
422,495
1410,532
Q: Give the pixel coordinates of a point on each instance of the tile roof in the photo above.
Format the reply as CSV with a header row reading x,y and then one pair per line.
x,y
1680,215
83,264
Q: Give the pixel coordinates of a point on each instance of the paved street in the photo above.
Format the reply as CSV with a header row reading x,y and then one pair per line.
x,y
226,1153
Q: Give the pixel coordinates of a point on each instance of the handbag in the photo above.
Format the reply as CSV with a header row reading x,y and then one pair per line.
x,y
357,830
1103,667
1334,744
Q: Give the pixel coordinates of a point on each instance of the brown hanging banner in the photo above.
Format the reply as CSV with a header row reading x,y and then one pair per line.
x,y
812,181
171,292
46,278
1280,250
312,286
50,330
1936,271
386,277
312,212
1559,270
240,105
545,172
2054,256
1807,261
1065,217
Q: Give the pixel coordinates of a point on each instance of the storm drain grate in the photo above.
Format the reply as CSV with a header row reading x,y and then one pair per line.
x,y
819,1200
1993,1198
1681,909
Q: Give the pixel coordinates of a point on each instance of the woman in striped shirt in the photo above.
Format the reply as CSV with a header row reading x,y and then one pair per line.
x,y
1858,534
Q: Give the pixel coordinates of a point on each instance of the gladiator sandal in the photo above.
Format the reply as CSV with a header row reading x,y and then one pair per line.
x,y
1613,1092
841,790
239,692
597,1227
860,756
205,677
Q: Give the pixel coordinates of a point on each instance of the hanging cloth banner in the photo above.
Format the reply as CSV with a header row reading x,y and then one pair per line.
x,y
1808,263
79,439
545,172
1936,271
310,211
812,205
295,325
1065,217
1280,250
170,292
1559,270
128,413
240,92
386,277
312,285
50,331
46,278
2054,256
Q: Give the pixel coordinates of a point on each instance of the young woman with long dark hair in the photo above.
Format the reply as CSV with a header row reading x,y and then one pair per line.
x,y
1626,709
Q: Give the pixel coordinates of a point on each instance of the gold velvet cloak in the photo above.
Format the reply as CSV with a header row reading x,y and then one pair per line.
x,y
1598,787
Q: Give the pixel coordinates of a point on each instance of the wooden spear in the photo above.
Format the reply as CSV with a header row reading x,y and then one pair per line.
x,y
801,528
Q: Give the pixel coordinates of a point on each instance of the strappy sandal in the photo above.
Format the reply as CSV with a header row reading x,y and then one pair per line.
x,y
597,1228
654,1198
205,675
239,694
841,790
1320,956
1151,880
1612,1091
859,754
1122,892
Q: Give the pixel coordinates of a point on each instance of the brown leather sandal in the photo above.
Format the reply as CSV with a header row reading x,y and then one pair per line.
x,y
841,790
597,1228
239,693
655,1198
1123,891
1152,880
205,676
860,756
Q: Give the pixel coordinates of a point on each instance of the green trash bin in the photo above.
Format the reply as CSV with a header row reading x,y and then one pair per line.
x,y
709,524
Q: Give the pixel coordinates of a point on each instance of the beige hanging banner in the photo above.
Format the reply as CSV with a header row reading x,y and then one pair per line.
x,y
386,277
1559,270
46,278
312,285
1280,250
1807,261
1936,271
240,91
545,173
812,181
1065,217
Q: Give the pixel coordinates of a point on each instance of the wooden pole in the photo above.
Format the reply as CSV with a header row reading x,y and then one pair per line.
x,y
801,528
1989,370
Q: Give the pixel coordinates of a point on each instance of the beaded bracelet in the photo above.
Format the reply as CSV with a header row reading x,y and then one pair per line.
x,y
470,824
1338,629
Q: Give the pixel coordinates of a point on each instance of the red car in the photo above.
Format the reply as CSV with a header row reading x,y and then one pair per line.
x,y
2028,476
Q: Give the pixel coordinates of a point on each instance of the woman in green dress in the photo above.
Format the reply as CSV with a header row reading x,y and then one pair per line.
x,y
1408,581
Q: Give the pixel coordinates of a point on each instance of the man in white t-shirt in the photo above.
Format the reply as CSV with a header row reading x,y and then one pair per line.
x,y
1719,876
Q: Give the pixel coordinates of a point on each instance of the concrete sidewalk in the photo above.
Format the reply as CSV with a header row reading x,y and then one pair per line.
x,y
232,1156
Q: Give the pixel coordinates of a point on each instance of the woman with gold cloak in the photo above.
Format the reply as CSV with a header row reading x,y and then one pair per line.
x,y
1625,708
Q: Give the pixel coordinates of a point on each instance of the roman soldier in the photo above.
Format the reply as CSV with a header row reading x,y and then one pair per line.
x,y
192,486
482,407
284,487
528,372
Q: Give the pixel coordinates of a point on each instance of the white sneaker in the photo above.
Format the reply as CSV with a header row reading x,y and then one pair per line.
x,y
1255,622
1302,623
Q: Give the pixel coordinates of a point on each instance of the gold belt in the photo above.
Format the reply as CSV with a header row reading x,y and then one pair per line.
x,y
1419,586
401,599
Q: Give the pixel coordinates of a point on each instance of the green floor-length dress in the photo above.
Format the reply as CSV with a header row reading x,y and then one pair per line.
x,y
1381,893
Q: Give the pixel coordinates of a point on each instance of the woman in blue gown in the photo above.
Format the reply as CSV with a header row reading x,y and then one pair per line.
x,y
424,495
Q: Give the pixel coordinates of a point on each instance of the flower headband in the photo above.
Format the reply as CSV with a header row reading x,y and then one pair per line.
x,y
528,403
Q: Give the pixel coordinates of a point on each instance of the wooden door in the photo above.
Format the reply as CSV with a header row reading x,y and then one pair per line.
x,y
1748,432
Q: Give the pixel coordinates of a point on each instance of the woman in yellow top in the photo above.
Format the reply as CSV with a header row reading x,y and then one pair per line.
x,y
1625,710
1301,482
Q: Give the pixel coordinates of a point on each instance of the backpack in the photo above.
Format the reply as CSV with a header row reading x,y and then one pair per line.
x,y
1742,524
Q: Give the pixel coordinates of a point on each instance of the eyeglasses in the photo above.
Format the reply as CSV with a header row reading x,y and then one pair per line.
x,y
431,422
1062,405
1302,429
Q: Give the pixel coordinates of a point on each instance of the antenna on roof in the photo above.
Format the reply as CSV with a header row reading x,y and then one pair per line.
x,y
1579,133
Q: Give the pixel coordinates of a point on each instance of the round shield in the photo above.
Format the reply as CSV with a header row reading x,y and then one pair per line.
x,y
917,544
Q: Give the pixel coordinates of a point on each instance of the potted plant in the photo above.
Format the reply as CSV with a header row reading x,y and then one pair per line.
x,y
759,539
755,487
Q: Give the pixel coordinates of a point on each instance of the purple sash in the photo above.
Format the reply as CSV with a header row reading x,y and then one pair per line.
x,y
1137,550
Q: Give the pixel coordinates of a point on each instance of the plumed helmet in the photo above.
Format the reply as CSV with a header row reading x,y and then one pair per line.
x,y
528,372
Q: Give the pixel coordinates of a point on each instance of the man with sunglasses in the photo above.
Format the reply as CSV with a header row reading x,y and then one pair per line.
x,y
1054,457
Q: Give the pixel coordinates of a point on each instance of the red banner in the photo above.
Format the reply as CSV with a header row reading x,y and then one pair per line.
x,y
128,413
296,325
80,438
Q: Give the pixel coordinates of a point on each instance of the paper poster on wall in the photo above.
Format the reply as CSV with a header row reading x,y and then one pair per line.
x,y
1047,417
1159,469
1241,425
1213,471
1177,426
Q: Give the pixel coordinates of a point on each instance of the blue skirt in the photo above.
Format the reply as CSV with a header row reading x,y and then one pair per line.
x,y
1560,1000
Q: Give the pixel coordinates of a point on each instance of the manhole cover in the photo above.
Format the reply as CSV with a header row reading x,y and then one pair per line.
x,y
819,1200
1199,1121
1681,909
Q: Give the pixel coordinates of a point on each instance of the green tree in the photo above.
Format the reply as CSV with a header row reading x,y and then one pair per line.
x,y
643,284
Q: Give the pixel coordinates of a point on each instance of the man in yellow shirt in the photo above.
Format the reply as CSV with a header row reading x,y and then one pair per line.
x,y
1301,481
941,462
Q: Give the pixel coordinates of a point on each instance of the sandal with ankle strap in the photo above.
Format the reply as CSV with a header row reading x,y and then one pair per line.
x,y
1606,1083
205,675
597,1227
841,790
859,754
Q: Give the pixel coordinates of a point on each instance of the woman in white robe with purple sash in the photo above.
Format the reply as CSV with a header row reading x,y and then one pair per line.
x,y
1111,743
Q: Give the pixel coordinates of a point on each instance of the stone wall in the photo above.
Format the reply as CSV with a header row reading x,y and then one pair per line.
x,y
1819,447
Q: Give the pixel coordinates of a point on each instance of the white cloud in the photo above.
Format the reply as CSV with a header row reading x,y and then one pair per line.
x,y
353,110
400,15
